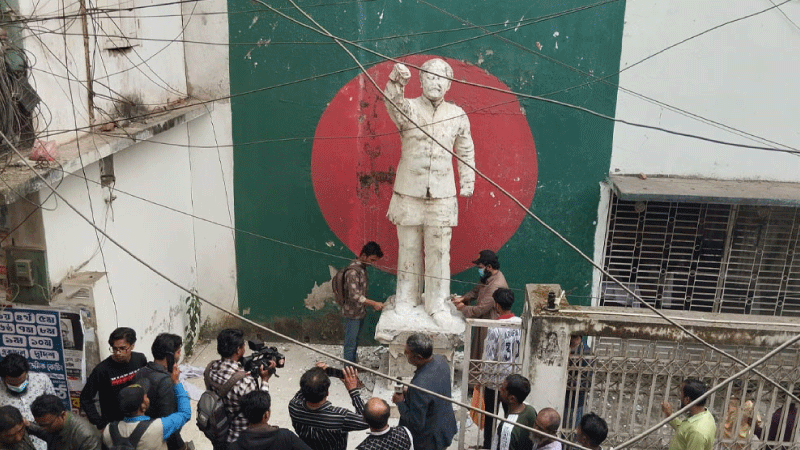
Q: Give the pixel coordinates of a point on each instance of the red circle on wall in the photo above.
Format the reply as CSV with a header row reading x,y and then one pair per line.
x,y
357,147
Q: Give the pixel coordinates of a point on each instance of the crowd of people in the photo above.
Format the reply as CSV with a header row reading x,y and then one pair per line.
x,y
127,401
135,404
131,403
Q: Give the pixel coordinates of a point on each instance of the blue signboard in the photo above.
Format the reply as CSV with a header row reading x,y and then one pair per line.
x,y
36,335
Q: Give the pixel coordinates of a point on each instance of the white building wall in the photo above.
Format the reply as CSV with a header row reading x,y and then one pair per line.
x,y
743,75
151,73
141,299
189,168
212,189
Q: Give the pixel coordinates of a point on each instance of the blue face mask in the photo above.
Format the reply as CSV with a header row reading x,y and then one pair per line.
x,y
18,389
481,271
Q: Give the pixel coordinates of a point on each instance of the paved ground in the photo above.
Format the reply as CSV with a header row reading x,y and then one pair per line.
x,y
284,387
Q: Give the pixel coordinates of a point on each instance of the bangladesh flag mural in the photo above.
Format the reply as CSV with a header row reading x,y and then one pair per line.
x,y
316,152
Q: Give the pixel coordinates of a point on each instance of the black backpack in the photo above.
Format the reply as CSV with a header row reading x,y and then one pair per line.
x,y
338,285
212,419
127,443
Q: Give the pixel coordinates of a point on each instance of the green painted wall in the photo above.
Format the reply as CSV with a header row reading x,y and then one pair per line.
x,y
291,74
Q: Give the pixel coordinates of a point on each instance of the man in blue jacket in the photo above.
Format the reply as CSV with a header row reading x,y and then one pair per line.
x,y
153,433
431,420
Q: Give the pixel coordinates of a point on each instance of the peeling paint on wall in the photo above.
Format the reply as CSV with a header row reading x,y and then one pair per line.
x,y
321,293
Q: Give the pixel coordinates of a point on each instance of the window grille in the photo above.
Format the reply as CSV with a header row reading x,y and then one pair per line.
x,y
625,380
704,257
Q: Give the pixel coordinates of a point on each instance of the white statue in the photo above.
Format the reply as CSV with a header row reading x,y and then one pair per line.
x,y
424,206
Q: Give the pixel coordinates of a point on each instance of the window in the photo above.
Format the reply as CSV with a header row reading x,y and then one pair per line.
x,y
704,257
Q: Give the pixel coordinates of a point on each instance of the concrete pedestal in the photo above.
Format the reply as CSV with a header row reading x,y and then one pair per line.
x,y
397,324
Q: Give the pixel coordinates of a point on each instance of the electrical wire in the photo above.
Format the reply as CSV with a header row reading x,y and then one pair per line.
x,y
604,79
225,192
277,334
522,23
530,213
784,14
260,236
148,266
34,18
88,191
788,150
720,385
625,444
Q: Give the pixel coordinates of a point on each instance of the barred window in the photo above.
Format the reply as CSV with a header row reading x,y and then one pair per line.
x,y
704,257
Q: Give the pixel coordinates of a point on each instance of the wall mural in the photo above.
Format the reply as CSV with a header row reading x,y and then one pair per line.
x,y
357,148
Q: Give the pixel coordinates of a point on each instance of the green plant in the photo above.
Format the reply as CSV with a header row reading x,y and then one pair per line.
x,y
192,328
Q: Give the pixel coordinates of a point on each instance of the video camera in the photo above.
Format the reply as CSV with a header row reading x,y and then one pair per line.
x,y
261,357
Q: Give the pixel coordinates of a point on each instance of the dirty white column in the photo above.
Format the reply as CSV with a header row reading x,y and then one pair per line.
x,y
549,353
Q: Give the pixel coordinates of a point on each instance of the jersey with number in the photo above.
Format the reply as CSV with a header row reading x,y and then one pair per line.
x,y
501,353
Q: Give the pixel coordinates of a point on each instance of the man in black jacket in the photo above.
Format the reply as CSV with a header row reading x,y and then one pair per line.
x,y
166,350
260,435
431,420
110,376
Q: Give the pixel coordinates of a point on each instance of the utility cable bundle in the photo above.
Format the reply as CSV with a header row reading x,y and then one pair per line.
x,y
18,99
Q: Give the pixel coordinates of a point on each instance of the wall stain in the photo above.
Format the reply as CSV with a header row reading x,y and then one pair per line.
x,y
375,178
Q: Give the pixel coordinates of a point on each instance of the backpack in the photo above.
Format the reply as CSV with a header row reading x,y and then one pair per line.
x,y
338,285
212,419
127,443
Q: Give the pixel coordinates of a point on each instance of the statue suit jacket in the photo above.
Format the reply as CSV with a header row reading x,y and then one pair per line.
x,y
425,169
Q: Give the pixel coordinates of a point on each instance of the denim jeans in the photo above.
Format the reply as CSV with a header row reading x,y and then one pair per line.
x,y
352,328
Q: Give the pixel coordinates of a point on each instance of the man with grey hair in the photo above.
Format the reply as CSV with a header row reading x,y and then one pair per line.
x,y
547,421
430,419
424,206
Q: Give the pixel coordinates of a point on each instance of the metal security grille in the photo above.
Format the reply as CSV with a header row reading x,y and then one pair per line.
x,y
486,373
625,380
704,257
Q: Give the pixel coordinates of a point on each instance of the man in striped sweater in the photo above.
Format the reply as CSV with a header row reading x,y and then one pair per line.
x,y
381,435
319,424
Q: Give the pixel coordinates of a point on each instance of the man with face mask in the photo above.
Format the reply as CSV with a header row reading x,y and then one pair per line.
x,y
699,430
20,388
484,308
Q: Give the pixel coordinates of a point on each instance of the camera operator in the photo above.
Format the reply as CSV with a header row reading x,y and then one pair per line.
x,y
230,346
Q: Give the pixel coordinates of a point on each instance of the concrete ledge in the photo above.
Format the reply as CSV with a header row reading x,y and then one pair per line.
x,y
730,329
697,190
20,181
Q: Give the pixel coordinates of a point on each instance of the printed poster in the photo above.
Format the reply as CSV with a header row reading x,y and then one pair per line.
x,y
37,335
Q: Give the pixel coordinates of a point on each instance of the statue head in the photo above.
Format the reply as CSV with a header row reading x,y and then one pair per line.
x,y
434,77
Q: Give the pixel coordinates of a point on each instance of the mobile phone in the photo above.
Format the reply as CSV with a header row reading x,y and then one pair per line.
x,y
336,373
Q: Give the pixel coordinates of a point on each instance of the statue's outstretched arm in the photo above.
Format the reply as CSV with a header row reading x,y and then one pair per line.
x,y
395,94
